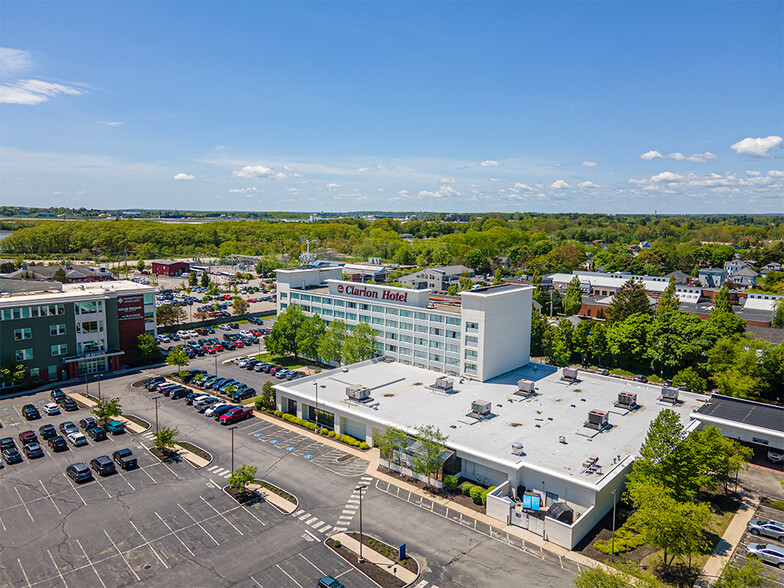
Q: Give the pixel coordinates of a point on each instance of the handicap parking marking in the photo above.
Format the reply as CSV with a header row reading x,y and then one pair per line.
x,y
257,435
290,448
308,456
273,441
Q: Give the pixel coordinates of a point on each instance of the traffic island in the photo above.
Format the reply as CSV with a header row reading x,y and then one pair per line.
x,y
284,501
380,562
244,497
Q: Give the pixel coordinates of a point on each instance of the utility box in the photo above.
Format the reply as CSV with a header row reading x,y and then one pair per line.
x,y
561,512
444,383
525,386
597,419
569,374
669,394
358,392
481,407
627,399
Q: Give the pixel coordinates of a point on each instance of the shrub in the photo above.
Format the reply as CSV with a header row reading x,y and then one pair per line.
x,y
476,494
485,493
467,489
311,426
331,434
625,540
325,432
450,483
364,445
258,404
277,413
337,544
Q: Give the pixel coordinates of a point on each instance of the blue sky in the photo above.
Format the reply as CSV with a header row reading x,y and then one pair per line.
x,y
447,106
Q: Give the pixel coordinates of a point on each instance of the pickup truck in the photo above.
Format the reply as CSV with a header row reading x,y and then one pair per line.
x,y
235,415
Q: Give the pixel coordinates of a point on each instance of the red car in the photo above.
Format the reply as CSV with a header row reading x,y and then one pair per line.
x,y
218,347
28,437
235,415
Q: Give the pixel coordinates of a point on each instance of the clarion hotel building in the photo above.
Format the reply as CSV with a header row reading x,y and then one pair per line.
x,y
484,334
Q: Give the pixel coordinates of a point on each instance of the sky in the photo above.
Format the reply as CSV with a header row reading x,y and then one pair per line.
x,y
612,107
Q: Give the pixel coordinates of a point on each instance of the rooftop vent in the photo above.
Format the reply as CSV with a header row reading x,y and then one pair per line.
x,y
597,419
669,394
358,392
481,407
569,374
627,399
444,383
525,387
517,449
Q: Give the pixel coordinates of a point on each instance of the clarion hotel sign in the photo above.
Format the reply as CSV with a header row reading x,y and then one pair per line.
x,y
375,294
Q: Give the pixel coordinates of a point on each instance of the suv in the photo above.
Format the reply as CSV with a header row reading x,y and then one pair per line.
x,y
79,472
30,412
33,450
47,432
179,393
69,404
56,394
11,455
97,433
115,427
28,437
125,459
58,443
103,465
88,423
329,582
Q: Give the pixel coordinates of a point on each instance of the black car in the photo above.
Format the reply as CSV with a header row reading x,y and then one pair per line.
x,y
33,450
97,433
153,381
56,394
11,456
30,412
47,432
189,398
179,393
103,465
125,459
58,443
69,404
79,472
7,443
222,410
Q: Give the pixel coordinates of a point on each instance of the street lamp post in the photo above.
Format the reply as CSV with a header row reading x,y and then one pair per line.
x,y
216,365
612,545
316,384
361,488
232,448
156,399
98,377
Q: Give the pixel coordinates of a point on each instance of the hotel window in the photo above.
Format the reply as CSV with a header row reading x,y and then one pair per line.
x,y
452,335
392,348
149,317
89,307
436,357
339,303
305,308
421,328
294,296
420,341
436,331
24,354
284,295
284,305
391,335
351,316
306,297
365,318
22,334
378,321
436,345
451,320
405,351
59,350
437,318
406,326
316,299
378,308
363,306
391,323
452,361
472,341
351,304
420,354
406,313
89,347
453,348
405,338
472,326
149,299
379,334
471,354
339,314
52,372
391,310
326,301
327,312
55,330
89,327
421,315
470,367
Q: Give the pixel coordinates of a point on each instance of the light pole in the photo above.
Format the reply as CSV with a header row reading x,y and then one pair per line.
x,y
316,384
98,377
156,399
361,488
232,448
216,365
612,543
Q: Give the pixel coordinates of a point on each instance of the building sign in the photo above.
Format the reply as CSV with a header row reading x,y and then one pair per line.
x,y
130,308
374,293
381,294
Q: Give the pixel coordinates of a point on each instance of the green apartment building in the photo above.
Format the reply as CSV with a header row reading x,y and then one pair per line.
x,y
60,331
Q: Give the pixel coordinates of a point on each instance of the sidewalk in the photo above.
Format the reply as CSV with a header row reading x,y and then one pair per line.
x,y
725,549
374,557
129,425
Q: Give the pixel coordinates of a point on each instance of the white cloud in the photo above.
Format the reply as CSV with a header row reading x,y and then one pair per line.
x,y
590,164
110,123
752,172
489,163
666,177
440,193
334,185
496,179
14,59
447,181
758,147
520,186
695,157
559,185
588,185
776,173
32,92
242,190
184,177
260,171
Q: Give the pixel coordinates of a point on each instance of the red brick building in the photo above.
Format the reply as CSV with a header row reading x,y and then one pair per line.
x,y
167,267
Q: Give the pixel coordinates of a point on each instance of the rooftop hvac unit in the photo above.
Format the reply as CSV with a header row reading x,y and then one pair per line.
x,y
525,386
444,383
669,394
561,512
569,374
481,407
517,449
627,399
357,392
597,419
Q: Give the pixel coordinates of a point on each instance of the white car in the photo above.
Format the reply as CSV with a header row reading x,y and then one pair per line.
x,y
184,334
77,439
245,333
192,334
211,410
774,455
51,408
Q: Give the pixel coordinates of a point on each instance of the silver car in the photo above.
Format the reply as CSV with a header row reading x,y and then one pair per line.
x,y
772,529
771,554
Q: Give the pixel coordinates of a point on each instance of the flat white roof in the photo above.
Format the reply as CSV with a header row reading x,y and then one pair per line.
x,y
401,397
77,292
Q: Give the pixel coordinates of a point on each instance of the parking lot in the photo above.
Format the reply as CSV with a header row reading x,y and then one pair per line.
x,y
764,512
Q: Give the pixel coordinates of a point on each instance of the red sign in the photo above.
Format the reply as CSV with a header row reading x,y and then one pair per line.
x,y
130,308
366,292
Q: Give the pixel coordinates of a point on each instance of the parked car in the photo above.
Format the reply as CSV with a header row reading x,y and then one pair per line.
x,y
179,393
12,456
125,459
79,472
97,433
56,394
58,443
47,432
69,405
30,412
768,553
115,427
28,437
77,439
236,415
103,465
221,410
51,408
154,382
33,450
211,409
603,372
640,378
88,423
329,582
772,529
7,443
776,456
205,403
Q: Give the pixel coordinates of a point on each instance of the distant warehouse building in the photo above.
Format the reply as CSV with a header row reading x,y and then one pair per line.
x,y
65,331
167,267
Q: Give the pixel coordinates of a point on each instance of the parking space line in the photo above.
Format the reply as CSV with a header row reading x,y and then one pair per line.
x,y
74,488
263,524
56,567
289,575
29,514
173,532
127,482
343,573
200,526
25,573
138,579
102,488
221,515
149,544
257,582
144,469
3,525
91,563
49,496
311,563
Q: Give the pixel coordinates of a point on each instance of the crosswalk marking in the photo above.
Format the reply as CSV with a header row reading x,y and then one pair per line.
x,y
339,529
345,518
299,512
310,521
303,517
324,529
212,468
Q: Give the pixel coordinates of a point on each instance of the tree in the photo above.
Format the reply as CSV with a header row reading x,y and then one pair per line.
x,y
59,276
241,477
205,280
630,299
192,279
628,341
106,409
268,399
688,378
177,357
717,458
239,306
750,575
282,339
145,346
140,265
308,336
391,443
778,314
675,341
580,337
626,576
330,347
668,302
597,343
360,344
428,459
168,315
722,302
665,434
573,301
165,439
561,346
538,327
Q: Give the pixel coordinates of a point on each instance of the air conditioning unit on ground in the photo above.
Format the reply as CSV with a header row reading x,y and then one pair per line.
x,y
444,383
597,419
357,392
628,399
481,407
669,394
526,386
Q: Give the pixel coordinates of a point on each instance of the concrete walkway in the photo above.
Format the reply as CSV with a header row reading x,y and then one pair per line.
x,y
374,557
725,549
283,505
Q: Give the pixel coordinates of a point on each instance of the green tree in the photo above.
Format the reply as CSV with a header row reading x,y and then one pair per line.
x,y
192,279
778,314
168,315
664,437
360,344
106,409
675,341
241,477
580,338
538,327
268,399
428,459
573,301
331,345
498,278
722,302
628,341
177,357
205,280
561,346
630,299
140,265
391,443
688,378
239,306
668,301
597,343
308,336
145,346
282,339
165,439
717,458
750,575
59,276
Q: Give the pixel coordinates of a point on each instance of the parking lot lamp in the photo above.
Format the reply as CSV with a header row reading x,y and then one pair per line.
x,y
612,545
98,377
216,365
232,448
316,384
361,487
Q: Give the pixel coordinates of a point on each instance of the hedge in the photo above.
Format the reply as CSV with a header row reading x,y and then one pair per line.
x,y
485,493
476,494
450,483
347,439
467,489
625,540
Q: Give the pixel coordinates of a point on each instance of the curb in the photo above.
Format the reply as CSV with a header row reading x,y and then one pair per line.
x,y
352,566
